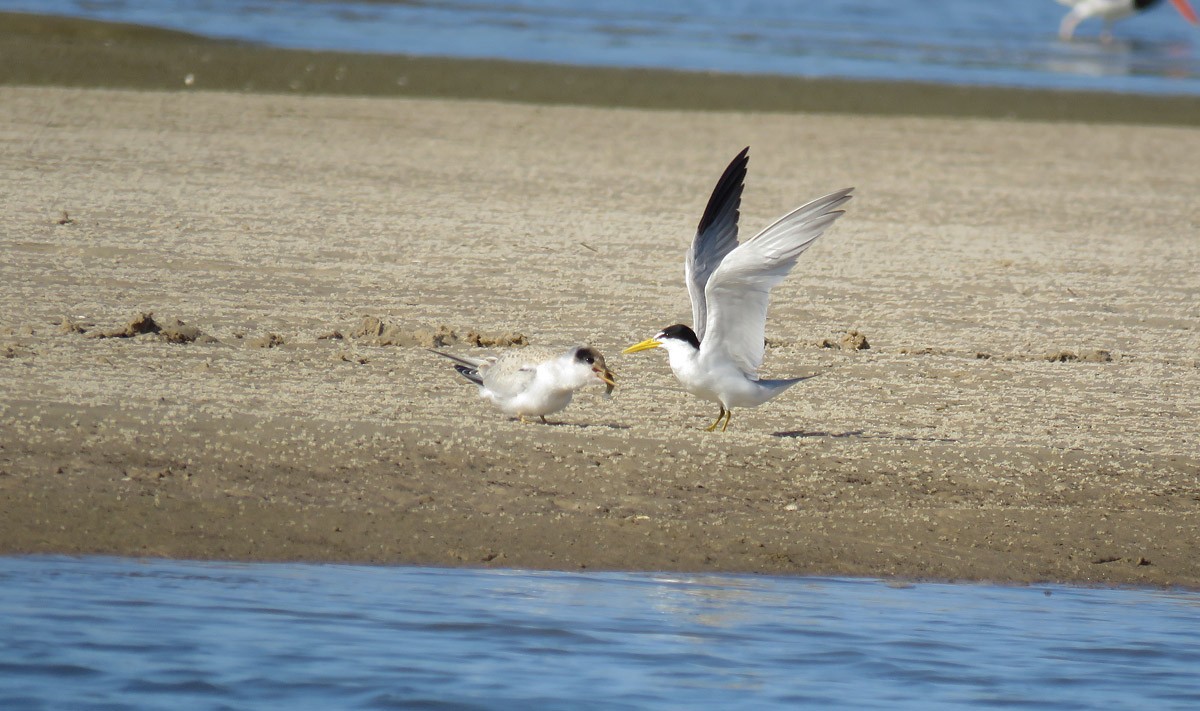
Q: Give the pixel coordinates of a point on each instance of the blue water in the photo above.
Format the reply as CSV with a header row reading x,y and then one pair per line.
x,y
1010,43
108,633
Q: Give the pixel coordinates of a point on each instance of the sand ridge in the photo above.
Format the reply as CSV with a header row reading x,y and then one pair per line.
x,y
1025,410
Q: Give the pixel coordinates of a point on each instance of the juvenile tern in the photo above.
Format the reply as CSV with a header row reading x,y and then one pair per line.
x,y
729,285
534,381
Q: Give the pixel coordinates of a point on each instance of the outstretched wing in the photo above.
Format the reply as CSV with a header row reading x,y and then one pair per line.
x,y
715,237
739,290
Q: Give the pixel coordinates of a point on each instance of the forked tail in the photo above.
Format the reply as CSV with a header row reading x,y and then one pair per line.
x,y
777,386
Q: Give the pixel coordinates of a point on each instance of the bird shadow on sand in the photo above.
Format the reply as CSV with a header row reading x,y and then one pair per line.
x,y
798,434
588,425
858,434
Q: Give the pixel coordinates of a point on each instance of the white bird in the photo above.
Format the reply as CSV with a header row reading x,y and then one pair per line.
x,y
729,285
534,381
1110,11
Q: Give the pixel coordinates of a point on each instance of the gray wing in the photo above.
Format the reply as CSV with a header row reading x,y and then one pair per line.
x,y
514,370
716,237
738,291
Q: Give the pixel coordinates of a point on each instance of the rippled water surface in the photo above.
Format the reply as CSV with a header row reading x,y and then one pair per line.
x,y
959,41
112,633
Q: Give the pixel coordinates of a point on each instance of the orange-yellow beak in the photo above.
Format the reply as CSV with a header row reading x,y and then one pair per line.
x,y
609,378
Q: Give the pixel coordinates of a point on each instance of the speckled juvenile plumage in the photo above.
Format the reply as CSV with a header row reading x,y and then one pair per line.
x,y
534,381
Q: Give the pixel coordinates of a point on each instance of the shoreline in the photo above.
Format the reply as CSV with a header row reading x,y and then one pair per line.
x,y
53,51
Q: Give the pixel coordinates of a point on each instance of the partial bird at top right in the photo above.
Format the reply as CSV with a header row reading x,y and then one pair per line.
x,y
1110,11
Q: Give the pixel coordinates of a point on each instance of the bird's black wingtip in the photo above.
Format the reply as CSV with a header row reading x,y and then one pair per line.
x,y
728,188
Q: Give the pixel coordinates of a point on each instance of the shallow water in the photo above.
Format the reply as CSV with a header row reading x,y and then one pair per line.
x,y
97,633
954,41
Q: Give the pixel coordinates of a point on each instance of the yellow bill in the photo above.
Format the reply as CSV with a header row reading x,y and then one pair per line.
x,y
643,346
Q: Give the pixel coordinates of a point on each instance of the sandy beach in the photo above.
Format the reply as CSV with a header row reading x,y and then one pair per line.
x,y
214,307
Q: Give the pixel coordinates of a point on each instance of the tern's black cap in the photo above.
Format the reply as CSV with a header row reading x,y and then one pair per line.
x,y
681,333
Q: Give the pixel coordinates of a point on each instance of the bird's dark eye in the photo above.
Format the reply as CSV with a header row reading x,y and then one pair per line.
x,y
585,355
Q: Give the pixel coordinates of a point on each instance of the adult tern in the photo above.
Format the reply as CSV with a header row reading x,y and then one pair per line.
x,y
729,285
534,381
1112,10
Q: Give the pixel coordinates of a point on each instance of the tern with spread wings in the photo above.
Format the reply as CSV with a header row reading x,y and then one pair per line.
x,y
533,381
729,285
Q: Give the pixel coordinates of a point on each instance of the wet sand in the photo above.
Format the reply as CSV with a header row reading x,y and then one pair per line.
x,y
1025,410
42,50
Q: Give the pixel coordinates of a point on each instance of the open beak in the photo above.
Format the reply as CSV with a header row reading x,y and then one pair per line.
x,y
643,346
608,377
1186,10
